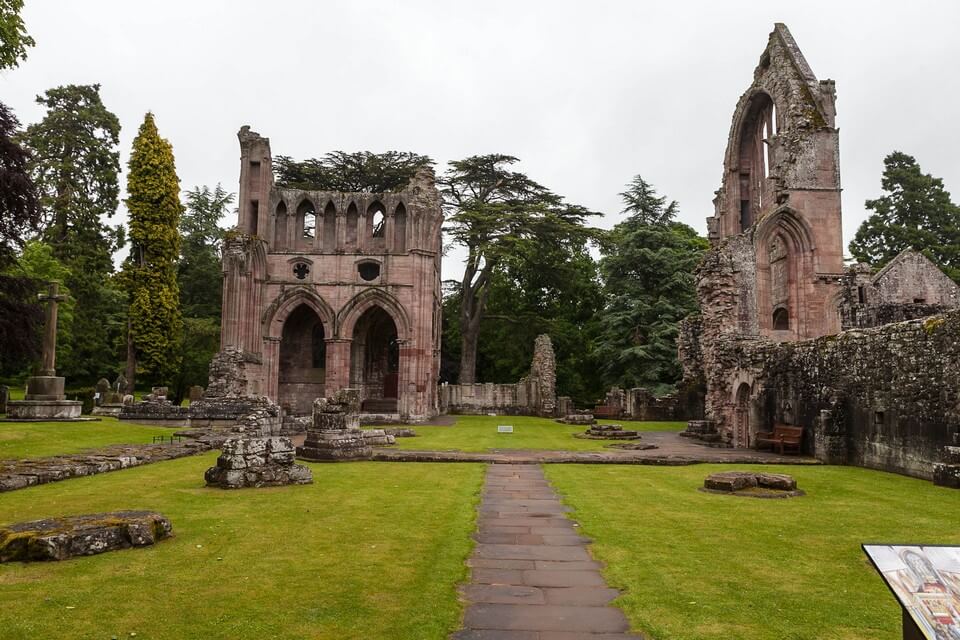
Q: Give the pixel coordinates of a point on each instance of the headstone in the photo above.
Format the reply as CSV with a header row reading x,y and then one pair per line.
x,y
335,433
196,393
100,391
120,384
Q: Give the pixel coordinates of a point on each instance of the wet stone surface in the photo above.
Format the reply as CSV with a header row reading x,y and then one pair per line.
x,y
532,577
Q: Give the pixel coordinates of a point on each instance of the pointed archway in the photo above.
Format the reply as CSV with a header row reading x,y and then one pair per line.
x,y
302,362
375,361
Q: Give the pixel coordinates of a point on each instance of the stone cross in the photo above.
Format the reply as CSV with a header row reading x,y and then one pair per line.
x,y
48,361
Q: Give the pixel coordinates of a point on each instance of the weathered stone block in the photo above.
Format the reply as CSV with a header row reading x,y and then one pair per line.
x,y
946,475
63,538
257,462
730,481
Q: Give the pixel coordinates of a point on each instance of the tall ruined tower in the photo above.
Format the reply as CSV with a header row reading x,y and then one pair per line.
x,y
330,290
777,219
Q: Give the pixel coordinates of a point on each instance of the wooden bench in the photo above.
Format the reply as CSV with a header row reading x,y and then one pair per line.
x,y
782,439
604,411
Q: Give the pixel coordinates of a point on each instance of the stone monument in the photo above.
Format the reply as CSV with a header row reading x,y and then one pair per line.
x,y
44,400
335,431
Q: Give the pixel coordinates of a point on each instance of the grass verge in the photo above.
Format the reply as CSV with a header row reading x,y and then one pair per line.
x,y
370,550
699,566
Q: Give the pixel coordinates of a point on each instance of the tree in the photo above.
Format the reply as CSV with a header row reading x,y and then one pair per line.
x,y
198,272
916,212
648,272
341,171
545,289
150,272
495,213
20,212
14,40
75,165
20,315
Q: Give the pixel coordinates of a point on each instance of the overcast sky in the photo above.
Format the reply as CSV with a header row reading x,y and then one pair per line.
x,y
586,94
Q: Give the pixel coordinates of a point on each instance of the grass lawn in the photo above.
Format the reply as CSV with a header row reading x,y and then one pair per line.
x,y
703,566
370,550
37,439
479,433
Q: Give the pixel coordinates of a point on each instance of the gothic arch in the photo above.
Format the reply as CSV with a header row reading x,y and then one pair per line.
x,y
786,263
351,312
277,313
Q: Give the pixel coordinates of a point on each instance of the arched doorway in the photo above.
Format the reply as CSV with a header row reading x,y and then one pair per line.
x,y
303,355
741,417
375,361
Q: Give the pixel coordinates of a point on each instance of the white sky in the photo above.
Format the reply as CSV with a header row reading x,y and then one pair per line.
x,y
587,94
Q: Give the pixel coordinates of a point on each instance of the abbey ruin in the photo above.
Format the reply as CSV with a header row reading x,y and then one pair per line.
x,y
324,291
786,334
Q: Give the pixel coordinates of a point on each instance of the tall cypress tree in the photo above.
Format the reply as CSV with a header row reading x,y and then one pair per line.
x,y
150,272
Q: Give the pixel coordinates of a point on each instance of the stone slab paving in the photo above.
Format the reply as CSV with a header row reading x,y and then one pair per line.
x,y
532,577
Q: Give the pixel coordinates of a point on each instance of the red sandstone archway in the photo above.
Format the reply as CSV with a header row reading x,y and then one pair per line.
x,y
302,361
375,361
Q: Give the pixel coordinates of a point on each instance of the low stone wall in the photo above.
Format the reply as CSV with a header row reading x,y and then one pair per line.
x,y
885,398
518,399
639,404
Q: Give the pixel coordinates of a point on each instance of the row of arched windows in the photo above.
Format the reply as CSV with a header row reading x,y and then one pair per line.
x,y
305,229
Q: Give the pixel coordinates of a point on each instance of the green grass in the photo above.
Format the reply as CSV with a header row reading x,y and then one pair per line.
x,y
37,439
479,433
370,550
702,566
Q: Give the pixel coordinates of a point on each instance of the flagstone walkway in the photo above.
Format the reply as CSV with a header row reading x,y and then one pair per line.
x,y
531,575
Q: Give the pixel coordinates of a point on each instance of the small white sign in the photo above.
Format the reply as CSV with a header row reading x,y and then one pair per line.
x,y
505,428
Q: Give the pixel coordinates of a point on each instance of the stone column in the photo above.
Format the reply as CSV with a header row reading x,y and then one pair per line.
x,y
49,358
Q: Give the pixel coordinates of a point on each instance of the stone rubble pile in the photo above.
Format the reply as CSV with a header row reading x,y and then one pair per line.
x,y
758,484
257,462
377,437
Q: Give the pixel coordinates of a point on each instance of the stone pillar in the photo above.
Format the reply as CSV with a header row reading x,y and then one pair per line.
x,y
334,433
338,365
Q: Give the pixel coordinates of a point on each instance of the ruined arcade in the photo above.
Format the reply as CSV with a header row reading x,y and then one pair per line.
x,y
324,291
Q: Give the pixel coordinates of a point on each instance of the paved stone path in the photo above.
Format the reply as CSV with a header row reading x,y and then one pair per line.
x,y
531,575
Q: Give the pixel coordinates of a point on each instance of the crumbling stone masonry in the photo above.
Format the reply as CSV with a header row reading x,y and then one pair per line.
x,y
325,291
773,296
335,433
909,286
257,462
885,398
535,394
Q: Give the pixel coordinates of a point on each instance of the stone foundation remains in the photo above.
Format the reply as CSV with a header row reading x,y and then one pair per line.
x,y
608,432
257,462
335,433
87,535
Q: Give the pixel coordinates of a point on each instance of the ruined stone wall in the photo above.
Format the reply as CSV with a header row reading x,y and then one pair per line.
x,y
885,398
535,394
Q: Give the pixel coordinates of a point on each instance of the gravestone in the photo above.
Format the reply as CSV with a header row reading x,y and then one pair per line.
x,y
100,390
44,400
196,393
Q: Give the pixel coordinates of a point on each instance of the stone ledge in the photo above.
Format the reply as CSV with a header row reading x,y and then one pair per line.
x,y
85,535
